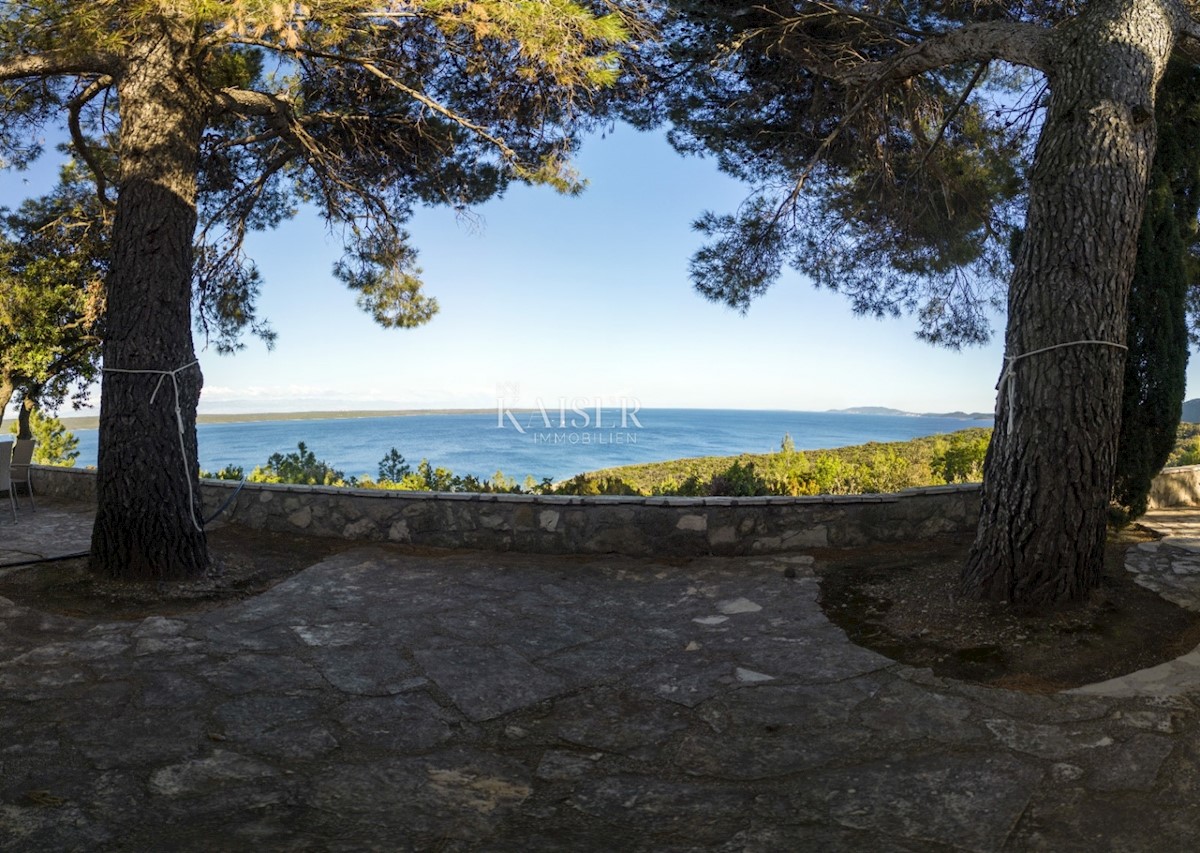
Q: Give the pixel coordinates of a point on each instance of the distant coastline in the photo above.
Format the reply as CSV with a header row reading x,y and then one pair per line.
x,y
93,421
476,444
883,410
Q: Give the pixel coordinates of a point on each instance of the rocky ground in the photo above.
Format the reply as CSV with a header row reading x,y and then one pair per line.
x,y
903,601
386,699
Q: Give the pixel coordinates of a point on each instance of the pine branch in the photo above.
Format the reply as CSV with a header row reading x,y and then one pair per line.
x,y
1021,44
75,106
57,63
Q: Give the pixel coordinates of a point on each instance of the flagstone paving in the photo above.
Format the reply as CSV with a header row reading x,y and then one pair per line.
x,y
505,702
54,529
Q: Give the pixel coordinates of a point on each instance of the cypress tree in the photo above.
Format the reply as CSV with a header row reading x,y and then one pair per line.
x,y
1157,335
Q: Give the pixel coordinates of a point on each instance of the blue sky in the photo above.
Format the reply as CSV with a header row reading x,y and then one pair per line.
x,y
548,296
545,297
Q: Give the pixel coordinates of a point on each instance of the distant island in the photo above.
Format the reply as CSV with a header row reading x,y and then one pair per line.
x,y
884,410
1191,413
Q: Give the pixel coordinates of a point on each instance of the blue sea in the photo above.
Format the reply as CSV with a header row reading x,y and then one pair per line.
x,y
554,444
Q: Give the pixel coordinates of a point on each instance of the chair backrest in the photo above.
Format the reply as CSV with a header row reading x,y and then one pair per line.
x,y
5,465
22,451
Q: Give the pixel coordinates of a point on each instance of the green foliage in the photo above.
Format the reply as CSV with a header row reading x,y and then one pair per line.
x,y
53,257
300,467
1187,446
960,459
1187,455
1156,362
229,472
303,468
387,279
862,469
360,110
738,481
392,466
901,196
888,471
434,479
588,484
55,444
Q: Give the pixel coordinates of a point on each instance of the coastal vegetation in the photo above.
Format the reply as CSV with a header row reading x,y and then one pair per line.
x,y
862,469
1187,446
302,467
55,444
869,468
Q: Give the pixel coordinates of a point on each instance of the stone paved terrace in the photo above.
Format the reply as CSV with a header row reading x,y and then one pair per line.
x,y
479,701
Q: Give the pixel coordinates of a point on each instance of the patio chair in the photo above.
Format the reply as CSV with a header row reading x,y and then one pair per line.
x,y
5,475
22,458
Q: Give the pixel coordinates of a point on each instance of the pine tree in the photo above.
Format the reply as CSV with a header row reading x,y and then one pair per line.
x,y
1156,364
53,252
883,163
201,120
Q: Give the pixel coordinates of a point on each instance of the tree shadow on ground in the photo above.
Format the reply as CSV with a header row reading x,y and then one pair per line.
x,y
902,601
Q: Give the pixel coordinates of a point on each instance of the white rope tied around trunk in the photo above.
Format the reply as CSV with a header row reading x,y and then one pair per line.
x,y
1007,374
173,375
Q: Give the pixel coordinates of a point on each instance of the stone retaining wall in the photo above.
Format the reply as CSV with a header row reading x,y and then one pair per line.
x,y
1176,487
560,524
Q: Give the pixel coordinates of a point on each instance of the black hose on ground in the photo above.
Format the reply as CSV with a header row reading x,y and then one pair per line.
x,y
38,561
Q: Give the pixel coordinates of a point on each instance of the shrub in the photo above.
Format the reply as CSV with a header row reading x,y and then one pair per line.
x,y
55,444
590,484
393,468
960,460
301,467
229,472
738,481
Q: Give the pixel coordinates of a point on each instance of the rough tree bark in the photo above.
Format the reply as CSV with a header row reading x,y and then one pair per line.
x,y
25,415
147,525
1049,472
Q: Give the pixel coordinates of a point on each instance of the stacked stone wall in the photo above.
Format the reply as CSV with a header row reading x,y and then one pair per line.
x,y
561,524
1176,487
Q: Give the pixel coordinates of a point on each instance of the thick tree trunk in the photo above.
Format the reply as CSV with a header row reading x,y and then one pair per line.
x,y
1049,471
25,414
147,521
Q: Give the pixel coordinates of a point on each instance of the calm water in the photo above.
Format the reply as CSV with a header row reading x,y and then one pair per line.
x,y
480,444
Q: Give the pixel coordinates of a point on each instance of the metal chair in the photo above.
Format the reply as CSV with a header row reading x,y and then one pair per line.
x,y
6,484
22,458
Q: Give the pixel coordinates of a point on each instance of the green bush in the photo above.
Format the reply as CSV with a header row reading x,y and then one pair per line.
x,y
393,468
960,460
229,472
872,467
1187,446
300,467
739,481
55,444
588,484
867,468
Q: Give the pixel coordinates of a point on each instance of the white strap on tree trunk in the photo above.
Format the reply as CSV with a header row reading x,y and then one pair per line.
x,y
1007,376
173,375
